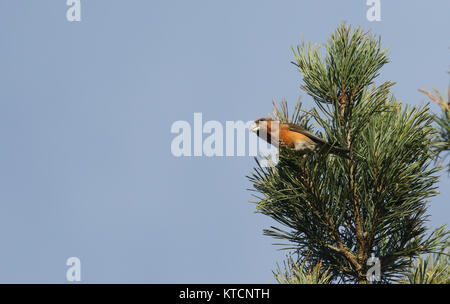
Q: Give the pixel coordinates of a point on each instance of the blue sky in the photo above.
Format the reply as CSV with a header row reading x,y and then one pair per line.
x,y
86,109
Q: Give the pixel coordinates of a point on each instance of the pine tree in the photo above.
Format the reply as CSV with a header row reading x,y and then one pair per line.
x,y
430,270
336,213
442,143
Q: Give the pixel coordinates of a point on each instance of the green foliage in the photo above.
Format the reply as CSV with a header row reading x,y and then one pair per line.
x,y
295,273
339,211
352,62
442,143
430,270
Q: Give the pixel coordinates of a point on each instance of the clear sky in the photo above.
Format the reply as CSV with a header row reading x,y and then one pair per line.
x,y
86,108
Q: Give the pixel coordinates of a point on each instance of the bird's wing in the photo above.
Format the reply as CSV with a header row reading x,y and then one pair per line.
x,y
298,129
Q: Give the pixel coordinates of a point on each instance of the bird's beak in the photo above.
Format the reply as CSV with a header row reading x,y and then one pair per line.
x,y
254,127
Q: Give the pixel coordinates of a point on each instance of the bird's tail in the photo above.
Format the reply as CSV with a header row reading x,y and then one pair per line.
x,y
334,149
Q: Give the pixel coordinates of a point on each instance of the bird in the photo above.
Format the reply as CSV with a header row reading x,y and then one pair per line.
x,y
293,136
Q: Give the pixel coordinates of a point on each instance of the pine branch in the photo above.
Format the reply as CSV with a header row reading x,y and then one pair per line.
x,y
340,211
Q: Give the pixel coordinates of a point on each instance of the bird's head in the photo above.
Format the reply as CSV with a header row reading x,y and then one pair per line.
x,y
260,123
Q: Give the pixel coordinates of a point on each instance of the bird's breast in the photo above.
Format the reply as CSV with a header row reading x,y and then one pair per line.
x,y
294,139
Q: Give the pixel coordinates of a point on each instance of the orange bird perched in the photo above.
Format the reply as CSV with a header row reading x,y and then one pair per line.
x,y
293,136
